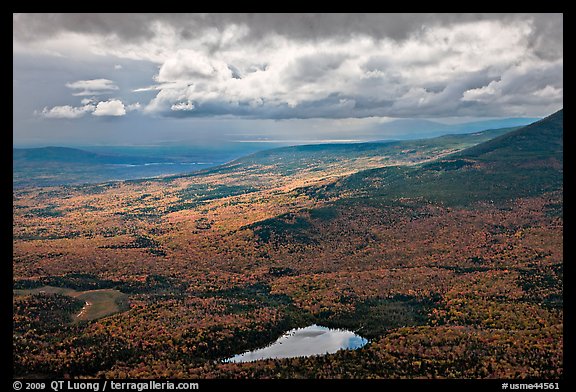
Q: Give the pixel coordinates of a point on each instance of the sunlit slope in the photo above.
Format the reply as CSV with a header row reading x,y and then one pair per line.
x,y
294,160
524,162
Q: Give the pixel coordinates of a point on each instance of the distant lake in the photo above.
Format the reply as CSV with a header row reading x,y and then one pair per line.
x,y
305,342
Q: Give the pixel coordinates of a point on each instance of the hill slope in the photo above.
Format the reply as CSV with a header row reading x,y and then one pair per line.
x,y
540,140
452,267
330,160
521,163
426,128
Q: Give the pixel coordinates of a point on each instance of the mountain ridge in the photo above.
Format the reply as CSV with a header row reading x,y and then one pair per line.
x,y
427,128
511,165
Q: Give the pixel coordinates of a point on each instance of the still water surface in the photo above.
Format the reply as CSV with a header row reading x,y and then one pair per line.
x,y
304,342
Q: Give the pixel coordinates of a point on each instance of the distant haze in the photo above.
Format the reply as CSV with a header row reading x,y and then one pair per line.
x,y
212,79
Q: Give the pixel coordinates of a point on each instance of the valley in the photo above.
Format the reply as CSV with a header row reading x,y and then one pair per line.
x,y
446,253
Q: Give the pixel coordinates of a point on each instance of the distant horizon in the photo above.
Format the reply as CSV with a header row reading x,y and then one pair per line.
x,y
450,128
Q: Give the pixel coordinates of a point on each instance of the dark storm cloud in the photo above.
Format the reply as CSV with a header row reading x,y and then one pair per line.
x,y
312,67
30,27
546,38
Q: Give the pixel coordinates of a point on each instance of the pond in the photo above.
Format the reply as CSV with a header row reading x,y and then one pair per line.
x,y
304,342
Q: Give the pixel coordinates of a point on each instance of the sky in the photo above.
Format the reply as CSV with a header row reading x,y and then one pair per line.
x,y
145,79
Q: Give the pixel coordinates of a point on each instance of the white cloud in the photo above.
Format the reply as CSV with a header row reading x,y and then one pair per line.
x,y
550,92
113,107
189,64
482,94
92,87
117,66
530,83
133,107
462,67
437,69
66,111
182,106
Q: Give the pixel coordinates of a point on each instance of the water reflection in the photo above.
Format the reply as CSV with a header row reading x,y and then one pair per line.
x,y
304,342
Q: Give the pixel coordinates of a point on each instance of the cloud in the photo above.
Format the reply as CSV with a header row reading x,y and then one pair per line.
x,y
92,87
66,111
520,87
113,107
188,64
148,88
132,107
182,106
435,72
86,101
142,28
117,66
281,66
